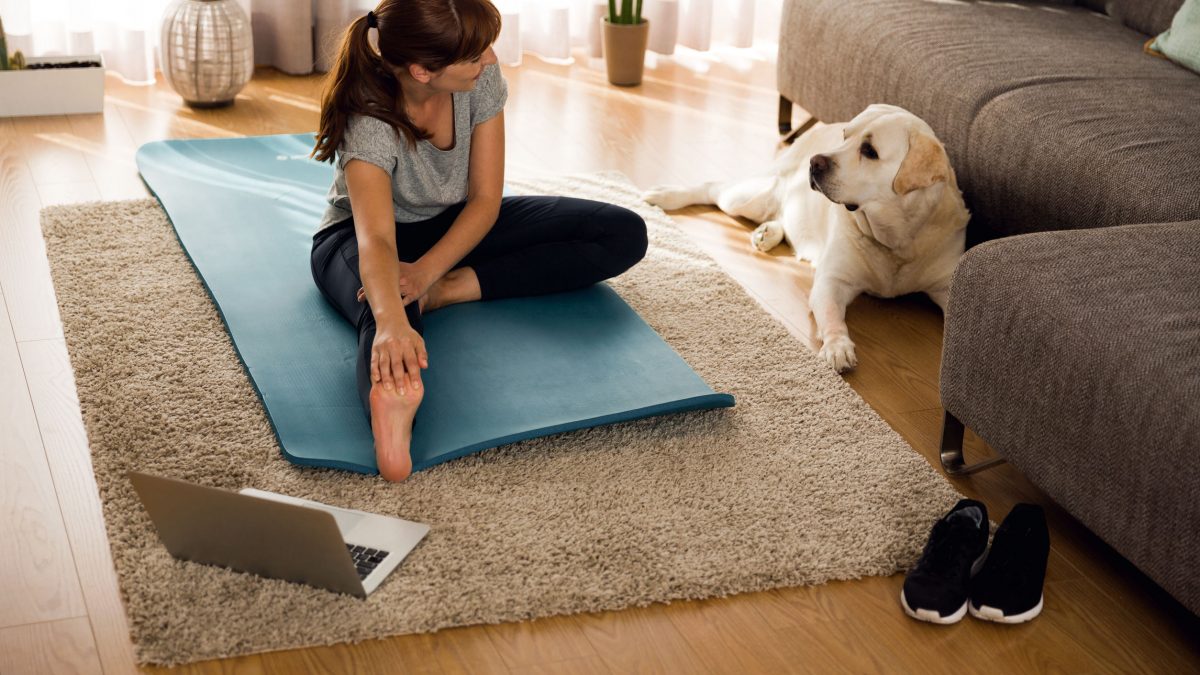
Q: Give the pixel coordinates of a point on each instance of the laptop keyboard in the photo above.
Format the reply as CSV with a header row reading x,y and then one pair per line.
x,y
365,559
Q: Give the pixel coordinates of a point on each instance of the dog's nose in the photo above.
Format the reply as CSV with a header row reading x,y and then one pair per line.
x,y
819,164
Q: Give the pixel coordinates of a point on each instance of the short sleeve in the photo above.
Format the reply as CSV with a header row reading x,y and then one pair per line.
x,y
489,96
370,139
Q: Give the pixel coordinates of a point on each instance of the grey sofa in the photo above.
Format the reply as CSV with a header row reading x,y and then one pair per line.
x,y
1073,349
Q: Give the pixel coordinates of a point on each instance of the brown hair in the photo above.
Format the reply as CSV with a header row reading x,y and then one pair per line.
x,y
429,33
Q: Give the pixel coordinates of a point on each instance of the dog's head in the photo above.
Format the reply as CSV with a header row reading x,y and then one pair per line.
x,y
891,171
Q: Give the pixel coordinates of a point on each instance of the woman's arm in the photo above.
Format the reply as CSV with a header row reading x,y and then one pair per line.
x,y
485,186
398,349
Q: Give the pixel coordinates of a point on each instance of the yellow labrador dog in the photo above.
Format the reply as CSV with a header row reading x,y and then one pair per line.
x,y
873,204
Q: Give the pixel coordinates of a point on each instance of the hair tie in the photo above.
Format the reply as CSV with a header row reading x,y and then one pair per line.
x,y
372,22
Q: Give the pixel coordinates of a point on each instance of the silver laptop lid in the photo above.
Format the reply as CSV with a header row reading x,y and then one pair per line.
x,y
248,534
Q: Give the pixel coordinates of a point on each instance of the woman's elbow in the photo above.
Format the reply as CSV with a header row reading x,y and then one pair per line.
x,y
487,204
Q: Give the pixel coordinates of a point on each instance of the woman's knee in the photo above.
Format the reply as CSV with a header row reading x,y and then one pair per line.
x,y
626,236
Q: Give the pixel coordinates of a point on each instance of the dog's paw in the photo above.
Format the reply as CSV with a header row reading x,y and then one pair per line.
x,y
838,351
668,197
767,236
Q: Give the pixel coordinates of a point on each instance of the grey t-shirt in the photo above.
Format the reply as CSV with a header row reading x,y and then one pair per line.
x,y
425,180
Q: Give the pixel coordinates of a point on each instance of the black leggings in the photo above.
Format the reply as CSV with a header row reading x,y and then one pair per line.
x,y
538,245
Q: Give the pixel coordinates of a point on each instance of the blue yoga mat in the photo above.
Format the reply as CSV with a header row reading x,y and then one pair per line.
x,y
245,210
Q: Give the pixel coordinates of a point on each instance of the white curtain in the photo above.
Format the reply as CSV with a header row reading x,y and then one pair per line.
x,y
124,31
551,28
299,36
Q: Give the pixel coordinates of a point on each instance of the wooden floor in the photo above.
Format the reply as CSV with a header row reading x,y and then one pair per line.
x,y
59,606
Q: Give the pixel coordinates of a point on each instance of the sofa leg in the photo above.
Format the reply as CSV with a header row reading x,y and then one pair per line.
x,y
785,116
951,450
791,138
785,122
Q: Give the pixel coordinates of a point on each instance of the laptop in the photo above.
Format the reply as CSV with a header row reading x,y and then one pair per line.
x,y
277,536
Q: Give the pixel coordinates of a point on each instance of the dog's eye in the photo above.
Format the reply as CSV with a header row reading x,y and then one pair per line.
x,y
867,150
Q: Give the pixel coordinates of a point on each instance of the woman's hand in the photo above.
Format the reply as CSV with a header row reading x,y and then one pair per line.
x,y
397,356
415,281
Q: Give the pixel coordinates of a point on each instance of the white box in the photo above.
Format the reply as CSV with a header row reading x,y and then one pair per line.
x,y
56,91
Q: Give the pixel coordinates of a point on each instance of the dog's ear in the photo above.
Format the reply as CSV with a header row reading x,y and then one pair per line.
x,y
925,164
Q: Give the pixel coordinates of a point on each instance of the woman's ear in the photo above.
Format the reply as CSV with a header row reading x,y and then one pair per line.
x,y
420,73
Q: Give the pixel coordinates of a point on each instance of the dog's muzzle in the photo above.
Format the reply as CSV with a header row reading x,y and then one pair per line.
x,y
818,166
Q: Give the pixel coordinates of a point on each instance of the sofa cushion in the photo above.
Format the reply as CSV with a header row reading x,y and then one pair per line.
x,y
1081,153
1076,355
1181,42
1067,87
1150,17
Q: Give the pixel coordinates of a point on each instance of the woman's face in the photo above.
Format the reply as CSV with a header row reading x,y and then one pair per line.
x,y
462,76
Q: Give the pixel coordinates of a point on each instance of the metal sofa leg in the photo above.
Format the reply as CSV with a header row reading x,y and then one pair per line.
x,y
785,116
785,122
951,450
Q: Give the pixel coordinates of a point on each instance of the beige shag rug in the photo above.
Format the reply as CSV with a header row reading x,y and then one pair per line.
x,y
801,483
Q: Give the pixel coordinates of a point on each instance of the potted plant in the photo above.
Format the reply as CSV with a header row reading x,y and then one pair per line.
x,y
625,36
49,85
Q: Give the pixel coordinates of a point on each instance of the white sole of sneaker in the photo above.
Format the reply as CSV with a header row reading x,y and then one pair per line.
x,y
986,613
930,616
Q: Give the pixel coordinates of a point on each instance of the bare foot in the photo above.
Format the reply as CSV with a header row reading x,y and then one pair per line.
x,y
460,285
392,414
435,297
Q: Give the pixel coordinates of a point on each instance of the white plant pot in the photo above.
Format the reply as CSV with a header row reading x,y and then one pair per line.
x,y
57,91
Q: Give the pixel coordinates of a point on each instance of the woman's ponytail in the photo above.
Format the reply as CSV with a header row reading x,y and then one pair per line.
x,y
360,82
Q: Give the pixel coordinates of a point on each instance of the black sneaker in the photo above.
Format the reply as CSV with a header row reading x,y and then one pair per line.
x,y
1009,587
936,589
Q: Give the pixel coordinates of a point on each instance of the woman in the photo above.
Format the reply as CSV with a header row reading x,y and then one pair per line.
x,y
416,220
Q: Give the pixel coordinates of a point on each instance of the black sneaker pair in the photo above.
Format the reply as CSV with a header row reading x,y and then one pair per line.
x,y
957,572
